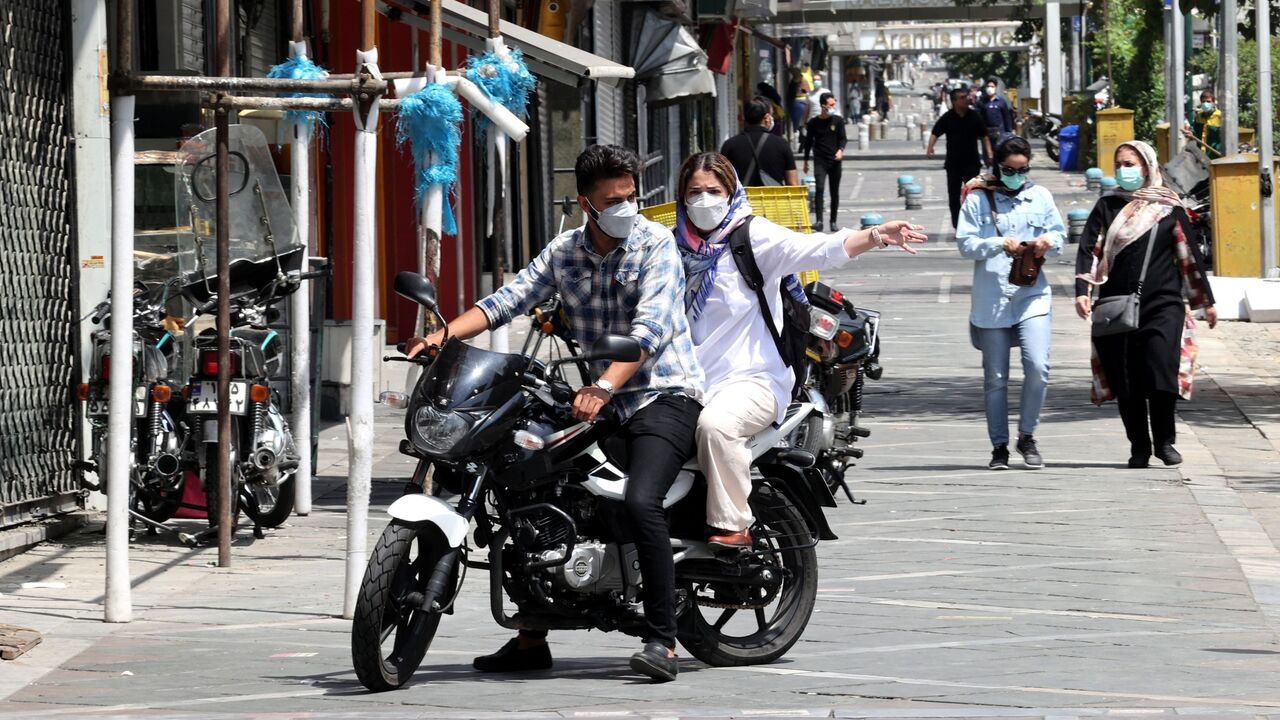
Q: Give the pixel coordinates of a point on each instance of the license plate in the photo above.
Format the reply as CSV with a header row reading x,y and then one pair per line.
x,y
204,398
97,405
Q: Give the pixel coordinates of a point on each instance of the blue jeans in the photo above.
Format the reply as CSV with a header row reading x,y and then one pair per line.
x,y
1032,337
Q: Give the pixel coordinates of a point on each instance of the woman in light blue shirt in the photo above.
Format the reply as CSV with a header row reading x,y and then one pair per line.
x,y
1002,314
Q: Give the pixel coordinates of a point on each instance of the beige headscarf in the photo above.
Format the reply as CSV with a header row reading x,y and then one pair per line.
x,y
1148,205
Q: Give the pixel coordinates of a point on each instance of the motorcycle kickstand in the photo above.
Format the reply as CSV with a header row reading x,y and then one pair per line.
x,y
849,493
153,526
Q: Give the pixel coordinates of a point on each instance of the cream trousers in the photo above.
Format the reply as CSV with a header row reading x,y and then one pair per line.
x,y
735,411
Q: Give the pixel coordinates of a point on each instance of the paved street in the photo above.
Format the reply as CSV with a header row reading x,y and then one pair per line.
x,y
1081,590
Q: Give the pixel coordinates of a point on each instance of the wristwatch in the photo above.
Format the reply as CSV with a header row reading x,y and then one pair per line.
x,y
605,385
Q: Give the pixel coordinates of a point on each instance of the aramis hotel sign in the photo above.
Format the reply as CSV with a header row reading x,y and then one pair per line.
x,y
969,37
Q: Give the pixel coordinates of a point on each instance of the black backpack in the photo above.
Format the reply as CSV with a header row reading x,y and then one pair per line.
x,y
794,338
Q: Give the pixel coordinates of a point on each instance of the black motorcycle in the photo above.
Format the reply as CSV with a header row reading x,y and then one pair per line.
x,y
544,493
843,353
158,438
262,453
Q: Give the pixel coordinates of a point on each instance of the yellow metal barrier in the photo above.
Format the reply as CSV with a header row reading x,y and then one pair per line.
x,y
786,205
1233,193
1115,125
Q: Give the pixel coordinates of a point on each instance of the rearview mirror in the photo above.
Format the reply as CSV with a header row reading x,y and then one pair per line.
x,y
413,286
618,348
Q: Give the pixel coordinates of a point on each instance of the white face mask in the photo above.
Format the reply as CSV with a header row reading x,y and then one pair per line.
x,y
707,211
616,221
991,91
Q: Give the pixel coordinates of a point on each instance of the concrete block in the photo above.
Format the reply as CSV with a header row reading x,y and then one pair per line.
x,y
1262,300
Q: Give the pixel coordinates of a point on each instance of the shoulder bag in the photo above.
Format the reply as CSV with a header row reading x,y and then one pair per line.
x,y
1119,313
1025,269
765,177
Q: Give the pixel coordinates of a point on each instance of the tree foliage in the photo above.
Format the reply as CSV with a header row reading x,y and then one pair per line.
x,y
1131,30
1004,65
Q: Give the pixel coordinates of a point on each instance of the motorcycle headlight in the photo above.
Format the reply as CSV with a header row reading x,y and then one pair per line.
x,y
439,431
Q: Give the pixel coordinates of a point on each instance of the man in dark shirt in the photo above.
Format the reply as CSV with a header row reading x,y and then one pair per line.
x,y
759,156
964,130
824,135
997,115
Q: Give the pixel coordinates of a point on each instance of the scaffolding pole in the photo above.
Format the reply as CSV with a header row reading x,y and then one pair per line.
x,y
360,419
300,302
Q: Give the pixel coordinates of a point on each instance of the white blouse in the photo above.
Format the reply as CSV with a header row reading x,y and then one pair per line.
x,y
730,337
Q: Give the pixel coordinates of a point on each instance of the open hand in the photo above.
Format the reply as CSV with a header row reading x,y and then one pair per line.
x,y
903,234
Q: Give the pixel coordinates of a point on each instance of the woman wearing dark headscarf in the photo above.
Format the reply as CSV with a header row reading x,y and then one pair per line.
x,y
1146,370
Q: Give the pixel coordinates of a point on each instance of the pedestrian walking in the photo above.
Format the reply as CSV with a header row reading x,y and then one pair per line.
x,y
798,95
964,130
760,157
825,137
1137,241
996,113
1005,215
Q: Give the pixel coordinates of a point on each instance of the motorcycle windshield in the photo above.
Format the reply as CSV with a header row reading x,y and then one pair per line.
x,y
262,237
463,377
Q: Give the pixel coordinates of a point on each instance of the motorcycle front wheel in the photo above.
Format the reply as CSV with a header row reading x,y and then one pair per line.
x,y
1051,149
764,627
389,638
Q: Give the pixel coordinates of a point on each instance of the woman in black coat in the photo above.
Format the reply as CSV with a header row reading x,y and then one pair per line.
x,y
1148,369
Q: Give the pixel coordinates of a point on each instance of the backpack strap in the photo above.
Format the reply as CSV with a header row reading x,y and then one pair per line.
x,y
745,258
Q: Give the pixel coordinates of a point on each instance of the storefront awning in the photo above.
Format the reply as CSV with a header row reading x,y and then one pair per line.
x,y
547,58
669,60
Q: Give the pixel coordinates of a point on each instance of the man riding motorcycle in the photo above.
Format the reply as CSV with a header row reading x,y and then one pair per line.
x,y
618,274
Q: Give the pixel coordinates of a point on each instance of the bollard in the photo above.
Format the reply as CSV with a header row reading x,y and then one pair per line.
x,y
1092,178
1106,185
903,182
925,131
871,219
911,131
884,129
864,137
1076,220
913,194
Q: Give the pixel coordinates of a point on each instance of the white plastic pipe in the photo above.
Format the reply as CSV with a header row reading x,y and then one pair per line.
x,y
360,417
300,318
504,119
119,594
1267,223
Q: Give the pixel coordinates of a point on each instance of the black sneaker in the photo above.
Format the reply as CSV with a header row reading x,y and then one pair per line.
x,y
653,662
1139,462
999,458
1168,455
510,658
1029,452
817,226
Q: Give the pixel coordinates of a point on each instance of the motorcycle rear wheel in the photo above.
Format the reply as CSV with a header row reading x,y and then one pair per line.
x,y
268,505
780,526
401,563
211,488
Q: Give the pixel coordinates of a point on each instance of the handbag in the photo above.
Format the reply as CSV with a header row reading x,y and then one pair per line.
x,y
1025,269
1120,313
765,178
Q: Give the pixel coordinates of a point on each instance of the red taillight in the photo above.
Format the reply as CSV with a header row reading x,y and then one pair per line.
x,y
837,296
82,392
106,367
209,363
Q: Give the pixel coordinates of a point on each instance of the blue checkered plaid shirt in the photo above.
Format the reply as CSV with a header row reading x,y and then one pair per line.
x,y
637,290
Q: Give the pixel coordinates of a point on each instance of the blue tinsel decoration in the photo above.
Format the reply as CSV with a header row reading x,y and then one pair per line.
x,y
301,68
507,87
429,121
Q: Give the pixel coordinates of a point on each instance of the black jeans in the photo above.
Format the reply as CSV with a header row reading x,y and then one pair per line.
x,y
660,439
828,170
956,178
1134,411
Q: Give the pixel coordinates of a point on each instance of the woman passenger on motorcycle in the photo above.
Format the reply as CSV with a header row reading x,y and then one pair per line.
x,y
748,383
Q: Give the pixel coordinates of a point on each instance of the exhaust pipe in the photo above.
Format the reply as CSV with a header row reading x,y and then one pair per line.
x,y
167,464
263,458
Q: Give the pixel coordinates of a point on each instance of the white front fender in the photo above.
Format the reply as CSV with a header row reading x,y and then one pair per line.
x,y
426,509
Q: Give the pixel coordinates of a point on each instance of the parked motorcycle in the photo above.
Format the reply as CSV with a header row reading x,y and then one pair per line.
x,y
262,453
158,438
1038,124
843,353
543,493
1188,175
